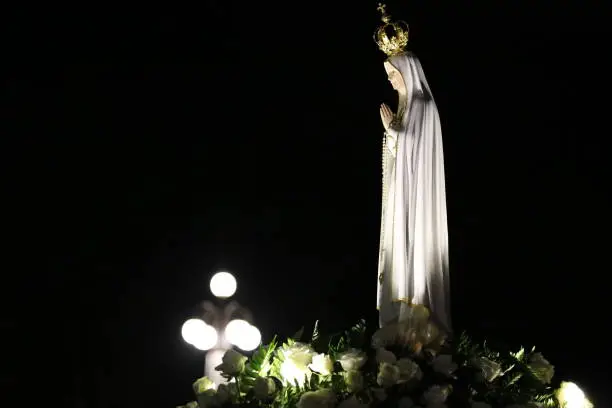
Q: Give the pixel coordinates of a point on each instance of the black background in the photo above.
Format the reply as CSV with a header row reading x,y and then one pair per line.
x,y
149,147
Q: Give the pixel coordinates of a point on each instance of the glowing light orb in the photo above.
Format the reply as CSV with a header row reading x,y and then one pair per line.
x,y
242,334
236,330
252,339
208,338
197,333
571,396
223,285
192,330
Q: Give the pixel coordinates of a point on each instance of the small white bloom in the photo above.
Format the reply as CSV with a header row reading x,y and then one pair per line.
x,y
352,402
480,404
233,363
436,395
571,396
191,404
322,398
409,370
294,369
405,402
352,359
202,385
264,388
444,364
354,380
208,399
322,364
385,356
490,369
388,375
385,336
227,392
541,368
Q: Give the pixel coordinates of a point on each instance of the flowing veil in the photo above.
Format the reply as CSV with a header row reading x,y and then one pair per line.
x,y
414,254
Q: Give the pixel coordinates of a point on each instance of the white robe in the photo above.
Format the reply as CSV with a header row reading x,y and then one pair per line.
x,y
413,258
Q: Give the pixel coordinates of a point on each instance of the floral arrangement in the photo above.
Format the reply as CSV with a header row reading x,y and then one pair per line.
x,y
410,364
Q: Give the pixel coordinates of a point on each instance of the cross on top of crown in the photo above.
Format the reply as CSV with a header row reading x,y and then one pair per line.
x,y
383,11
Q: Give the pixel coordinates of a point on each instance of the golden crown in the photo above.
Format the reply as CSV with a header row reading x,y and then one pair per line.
x,y
392,36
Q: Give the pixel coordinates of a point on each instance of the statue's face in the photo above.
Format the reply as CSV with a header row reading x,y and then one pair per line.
x,y
397,82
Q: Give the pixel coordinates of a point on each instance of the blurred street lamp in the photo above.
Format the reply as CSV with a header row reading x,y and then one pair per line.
x,y
222,327
223,285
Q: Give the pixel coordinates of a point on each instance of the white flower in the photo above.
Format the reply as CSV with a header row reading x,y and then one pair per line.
x,y
405,402
388,375
352,402
191,404
385,356
322,398
322,364
480,404
352,359
436,395
202,385
490,369
385,336
208,399
444,364
232,363
571,396
227,392
354,380
264,387
204,389
294,368
409,370
541,368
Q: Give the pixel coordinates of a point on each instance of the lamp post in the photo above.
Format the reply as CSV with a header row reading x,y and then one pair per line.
x,y
222,326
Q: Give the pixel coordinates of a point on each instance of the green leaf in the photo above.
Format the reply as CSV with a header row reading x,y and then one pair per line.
x,y
275,369
519,355
315,333
546,399
356,335
339,347
514,378
289,397
259,365
277,360
510,367
314,382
